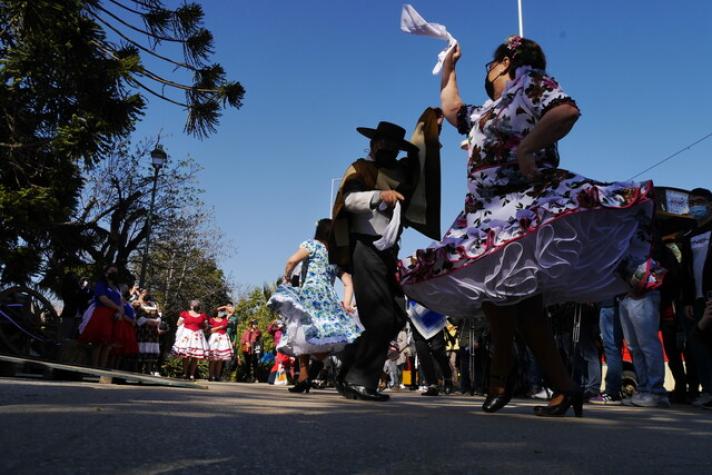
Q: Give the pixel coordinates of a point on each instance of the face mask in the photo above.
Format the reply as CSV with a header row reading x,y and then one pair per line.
x,y
489,85
699,212
386,156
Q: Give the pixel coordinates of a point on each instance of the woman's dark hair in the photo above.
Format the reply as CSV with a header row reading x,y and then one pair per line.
x,y
525,53
323,229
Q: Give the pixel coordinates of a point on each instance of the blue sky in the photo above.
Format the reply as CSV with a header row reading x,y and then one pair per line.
x,y
315,70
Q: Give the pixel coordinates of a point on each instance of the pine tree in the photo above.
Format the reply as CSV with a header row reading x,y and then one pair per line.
x,y
72,85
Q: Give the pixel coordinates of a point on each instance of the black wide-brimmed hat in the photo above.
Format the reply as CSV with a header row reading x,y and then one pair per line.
x,y
390,131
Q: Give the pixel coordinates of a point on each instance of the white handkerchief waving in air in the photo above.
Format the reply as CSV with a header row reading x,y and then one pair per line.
x,y
413,23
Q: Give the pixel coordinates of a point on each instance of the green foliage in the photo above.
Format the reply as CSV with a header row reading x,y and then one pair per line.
x,y
73,80
253,306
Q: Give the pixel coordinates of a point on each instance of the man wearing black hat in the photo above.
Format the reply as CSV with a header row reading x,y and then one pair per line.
x,y
377,197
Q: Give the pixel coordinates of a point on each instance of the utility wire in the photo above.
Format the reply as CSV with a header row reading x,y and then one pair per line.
x,y
673,155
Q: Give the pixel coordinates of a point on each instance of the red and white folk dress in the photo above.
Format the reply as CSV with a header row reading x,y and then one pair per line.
x,y
190,340
219,343
565,236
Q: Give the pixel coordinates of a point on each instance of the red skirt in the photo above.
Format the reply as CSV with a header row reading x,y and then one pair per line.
x,y
100,329
125,338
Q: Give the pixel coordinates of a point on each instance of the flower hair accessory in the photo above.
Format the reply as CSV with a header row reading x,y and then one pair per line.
x,y
513,43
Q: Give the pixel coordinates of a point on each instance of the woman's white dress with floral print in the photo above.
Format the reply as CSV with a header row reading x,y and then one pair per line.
x,y
565,236
314,319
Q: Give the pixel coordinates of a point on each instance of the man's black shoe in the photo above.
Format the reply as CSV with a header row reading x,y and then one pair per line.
x,y
431,391
352,391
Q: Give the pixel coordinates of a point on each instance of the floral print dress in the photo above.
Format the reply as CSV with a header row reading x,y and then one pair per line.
x,y
314,319
565,236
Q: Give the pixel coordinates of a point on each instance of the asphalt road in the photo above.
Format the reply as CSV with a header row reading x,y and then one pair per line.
x,y
53,427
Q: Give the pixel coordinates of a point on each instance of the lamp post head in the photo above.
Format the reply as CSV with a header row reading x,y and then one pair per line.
x,y
158,157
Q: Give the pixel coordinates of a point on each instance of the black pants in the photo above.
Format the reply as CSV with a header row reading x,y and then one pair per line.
x,y
249,366
674,354
381,309
429,352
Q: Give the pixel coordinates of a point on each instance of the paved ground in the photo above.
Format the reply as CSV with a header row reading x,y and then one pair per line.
x,y
49,427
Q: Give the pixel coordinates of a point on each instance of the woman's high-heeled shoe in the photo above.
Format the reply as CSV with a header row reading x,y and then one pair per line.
x,y
568,399
301,387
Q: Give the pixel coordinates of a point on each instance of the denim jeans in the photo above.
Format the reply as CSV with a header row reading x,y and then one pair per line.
x,y
588,360
609,323
391,368
640,319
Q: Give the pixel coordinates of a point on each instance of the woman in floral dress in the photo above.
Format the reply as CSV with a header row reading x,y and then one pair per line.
x,y
317,323
530,233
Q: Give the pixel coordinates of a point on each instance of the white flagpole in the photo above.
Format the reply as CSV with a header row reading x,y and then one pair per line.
x,y
521,20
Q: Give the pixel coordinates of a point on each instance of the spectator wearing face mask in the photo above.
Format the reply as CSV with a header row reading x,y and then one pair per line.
x,y
191,344
697,267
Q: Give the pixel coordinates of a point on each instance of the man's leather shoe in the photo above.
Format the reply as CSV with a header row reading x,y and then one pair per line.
x,y
431,391
352,391
496,402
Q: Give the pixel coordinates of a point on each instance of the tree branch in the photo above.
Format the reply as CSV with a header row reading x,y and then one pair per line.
x,y
143,48
135,28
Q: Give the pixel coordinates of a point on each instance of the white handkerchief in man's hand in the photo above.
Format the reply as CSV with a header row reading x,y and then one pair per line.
x,y
413,23
390,234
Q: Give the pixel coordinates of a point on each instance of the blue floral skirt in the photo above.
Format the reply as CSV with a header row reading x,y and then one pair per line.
x,y
314,319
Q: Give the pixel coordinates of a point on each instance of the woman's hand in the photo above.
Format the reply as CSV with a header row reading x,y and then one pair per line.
x,y
452,57
527,164
347,307
706,320
689,312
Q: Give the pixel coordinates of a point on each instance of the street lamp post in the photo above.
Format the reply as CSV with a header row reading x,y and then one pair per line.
x,y
158,159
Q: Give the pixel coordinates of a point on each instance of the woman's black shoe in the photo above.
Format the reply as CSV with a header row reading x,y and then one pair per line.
x,y
301,387
496,402
568,399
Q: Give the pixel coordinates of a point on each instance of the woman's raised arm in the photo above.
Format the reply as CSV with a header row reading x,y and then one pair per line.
x,y
449,93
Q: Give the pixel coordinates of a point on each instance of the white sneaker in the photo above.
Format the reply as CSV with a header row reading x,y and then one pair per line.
x,y
702,399
650,400
606,400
